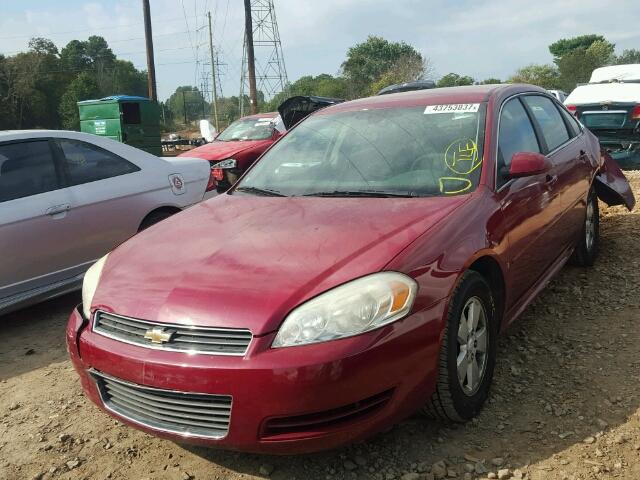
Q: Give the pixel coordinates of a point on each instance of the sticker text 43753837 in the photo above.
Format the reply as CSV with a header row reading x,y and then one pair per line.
x,y
452,108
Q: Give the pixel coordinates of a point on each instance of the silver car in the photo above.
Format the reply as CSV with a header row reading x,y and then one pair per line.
x,y
67,198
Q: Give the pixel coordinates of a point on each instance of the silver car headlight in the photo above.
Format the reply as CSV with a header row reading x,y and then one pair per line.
x,y
90,284
226,164
350,309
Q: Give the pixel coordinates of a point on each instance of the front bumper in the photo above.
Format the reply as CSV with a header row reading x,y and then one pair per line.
x,y
395,366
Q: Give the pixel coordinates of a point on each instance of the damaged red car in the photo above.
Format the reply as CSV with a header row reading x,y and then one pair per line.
x,y
367,264
239,145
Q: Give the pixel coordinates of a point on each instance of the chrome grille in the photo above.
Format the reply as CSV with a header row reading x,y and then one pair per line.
x,y
188,414
180,338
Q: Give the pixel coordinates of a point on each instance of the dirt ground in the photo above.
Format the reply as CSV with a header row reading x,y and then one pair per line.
x,y
565,402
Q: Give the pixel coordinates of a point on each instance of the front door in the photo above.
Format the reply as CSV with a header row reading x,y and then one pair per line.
x,y
527,203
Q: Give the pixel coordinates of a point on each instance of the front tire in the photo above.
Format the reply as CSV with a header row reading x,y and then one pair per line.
x,y
589,243
468,352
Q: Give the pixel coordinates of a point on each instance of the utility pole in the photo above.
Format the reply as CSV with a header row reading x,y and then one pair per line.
x,y
184,107
151,68
251,61
213,74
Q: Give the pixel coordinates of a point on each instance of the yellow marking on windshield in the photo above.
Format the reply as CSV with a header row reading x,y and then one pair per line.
x,y
461,157
467,184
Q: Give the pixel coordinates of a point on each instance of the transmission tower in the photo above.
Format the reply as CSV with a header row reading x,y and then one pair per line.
x,y
271,74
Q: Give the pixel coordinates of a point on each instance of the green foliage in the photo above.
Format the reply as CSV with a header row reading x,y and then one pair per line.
x,y
83,87
564,46
628,56
190,99
489,81
545,76
576,66
323,85
367,62
38,87
454,80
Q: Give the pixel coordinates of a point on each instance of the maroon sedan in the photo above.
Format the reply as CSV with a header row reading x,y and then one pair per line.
x,y
368,262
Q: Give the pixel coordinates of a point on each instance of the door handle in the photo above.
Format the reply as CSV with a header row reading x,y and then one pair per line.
x,y
550,179
55,210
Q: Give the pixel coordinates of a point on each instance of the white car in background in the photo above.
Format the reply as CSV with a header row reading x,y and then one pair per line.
x,y
609,106
67,198
559,95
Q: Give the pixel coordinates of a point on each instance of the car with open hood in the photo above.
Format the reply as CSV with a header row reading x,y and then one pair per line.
x,y
609,106
367,264
235,149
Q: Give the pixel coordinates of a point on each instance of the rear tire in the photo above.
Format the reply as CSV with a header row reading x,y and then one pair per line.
x,y
462,389
589,243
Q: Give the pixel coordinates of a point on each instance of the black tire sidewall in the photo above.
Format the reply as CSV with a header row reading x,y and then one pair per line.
x,y
473,285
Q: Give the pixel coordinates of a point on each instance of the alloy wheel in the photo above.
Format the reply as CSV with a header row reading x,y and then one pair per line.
x,y
473,333
590,226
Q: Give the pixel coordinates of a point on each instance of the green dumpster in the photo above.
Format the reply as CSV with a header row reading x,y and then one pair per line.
x,y
129,119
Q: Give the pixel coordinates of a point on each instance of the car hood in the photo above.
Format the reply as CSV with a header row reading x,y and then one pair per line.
x,y
246,261
218,150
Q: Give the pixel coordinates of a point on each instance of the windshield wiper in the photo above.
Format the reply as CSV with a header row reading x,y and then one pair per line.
x,y
260,191
362,193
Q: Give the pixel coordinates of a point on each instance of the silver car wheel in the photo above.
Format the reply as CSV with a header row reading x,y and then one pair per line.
x,y
590,226
472,346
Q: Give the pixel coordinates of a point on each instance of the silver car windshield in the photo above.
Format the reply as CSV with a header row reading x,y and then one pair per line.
x,y
408,151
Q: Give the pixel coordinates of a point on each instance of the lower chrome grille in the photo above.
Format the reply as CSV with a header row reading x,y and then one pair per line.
x,y
188,414
180,338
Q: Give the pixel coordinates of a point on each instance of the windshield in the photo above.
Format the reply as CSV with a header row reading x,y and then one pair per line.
x,y
248,129
409,151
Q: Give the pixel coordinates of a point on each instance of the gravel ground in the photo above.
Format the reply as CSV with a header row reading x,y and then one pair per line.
x,y
565,401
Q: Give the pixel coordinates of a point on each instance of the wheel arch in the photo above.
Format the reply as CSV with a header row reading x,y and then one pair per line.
x,y
491,271
166,209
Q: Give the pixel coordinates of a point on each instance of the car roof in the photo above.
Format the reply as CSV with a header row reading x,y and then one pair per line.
x,y
435,96
37,133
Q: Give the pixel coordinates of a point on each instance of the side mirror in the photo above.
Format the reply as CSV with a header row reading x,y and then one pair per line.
x,y
525,164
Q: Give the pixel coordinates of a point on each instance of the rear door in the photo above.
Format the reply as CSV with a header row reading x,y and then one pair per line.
x,y
34,218
572,167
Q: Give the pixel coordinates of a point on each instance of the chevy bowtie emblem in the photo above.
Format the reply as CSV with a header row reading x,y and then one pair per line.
x,y
158,335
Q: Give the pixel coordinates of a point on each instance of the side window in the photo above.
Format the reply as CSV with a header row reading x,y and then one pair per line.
x,y
87,163
26,168
548,117
571,121
516,135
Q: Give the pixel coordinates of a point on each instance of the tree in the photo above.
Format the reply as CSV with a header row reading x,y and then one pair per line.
x,y
490,81
406,69
83,87
368,61
323,85
576,66
628,56
454,80
190,99
564,46
545,76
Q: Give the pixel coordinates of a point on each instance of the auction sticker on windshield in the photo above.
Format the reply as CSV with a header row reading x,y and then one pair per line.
x,y
452,108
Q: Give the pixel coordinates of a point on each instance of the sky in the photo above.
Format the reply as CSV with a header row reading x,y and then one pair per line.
x,y
480,38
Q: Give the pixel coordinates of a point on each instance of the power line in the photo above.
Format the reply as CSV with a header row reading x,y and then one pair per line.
x,y
93,29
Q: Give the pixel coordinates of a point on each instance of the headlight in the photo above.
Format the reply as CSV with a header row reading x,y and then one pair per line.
x,y
350,309
90,284
228,163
